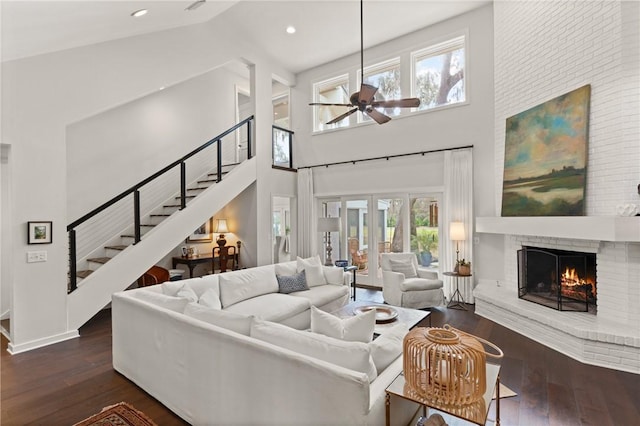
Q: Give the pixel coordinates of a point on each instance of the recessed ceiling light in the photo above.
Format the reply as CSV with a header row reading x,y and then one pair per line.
x,y
139,13
291,29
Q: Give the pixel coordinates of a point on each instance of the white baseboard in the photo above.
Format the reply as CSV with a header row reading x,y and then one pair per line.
x,y
34,344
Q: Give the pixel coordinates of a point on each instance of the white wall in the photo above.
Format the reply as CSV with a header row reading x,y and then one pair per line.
x,y
42,95
546,49
114,150
468,124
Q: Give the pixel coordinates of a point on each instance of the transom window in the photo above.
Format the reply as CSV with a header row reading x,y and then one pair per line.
x,y
439,76
335,90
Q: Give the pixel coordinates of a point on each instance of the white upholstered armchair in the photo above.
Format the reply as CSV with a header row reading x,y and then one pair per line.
x,y
406,284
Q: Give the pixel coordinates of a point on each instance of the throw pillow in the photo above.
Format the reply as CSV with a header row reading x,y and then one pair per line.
x,y
351,355
210,299
225,319
286,268
313,268
333,275
187,292
290,283
388,346
405,267
355,329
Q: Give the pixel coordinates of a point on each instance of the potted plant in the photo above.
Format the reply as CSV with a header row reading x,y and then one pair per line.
x,y
427,244
463,267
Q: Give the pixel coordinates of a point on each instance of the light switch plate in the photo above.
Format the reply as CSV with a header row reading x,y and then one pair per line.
x,y
36,256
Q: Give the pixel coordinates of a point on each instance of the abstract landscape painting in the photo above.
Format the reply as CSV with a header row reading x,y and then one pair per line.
x,y
545,160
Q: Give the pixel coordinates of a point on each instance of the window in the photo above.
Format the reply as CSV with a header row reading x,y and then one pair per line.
x,y
336,91
281,110
386,77
424,230
439,75
281,140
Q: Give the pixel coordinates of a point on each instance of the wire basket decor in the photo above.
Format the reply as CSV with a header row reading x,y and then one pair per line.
x,y
446,365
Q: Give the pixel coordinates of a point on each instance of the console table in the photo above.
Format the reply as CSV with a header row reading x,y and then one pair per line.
x,y
192,262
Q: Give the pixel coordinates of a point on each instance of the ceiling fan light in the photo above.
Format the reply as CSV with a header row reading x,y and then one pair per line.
x,y
291,29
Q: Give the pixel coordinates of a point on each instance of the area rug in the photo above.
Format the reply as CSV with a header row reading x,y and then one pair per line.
x,y
505,392
121,414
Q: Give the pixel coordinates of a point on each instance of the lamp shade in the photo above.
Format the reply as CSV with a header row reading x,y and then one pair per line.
x,y
328,224
456,231
221,226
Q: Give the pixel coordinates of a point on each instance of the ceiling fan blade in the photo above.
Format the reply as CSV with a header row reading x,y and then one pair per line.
x,y
325,104
367,92
377,115
397,103
342,116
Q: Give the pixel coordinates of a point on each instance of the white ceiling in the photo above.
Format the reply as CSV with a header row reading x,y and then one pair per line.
x,y
327,30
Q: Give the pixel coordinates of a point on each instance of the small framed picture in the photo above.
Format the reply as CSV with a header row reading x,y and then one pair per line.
x,y
202,234
39,233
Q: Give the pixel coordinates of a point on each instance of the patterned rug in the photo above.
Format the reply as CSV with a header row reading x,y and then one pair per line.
x,y
121,414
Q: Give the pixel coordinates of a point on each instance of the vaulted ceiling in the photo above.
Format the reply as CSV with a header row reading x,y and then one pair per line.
x,y
326,30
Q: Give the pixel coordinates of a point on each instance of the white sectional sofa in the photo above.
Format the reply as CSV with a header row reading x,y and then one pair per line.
x,y
239,363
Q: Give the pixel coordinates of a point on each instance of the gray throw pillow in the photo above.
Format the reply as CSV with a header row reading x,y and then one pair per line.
x,y
290,283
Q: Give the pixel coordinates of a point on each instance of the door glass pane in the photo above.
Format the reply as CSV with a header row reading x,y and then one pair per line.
x,y
281,228
390,229
424,230
358,237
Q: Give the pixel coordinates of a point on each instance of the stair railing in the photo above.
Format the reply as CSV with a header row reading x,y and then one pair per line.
x,y
135,190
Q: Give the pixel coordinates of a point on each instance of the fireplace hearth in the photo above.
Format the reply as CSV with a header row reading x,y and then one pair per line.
x,y
560,279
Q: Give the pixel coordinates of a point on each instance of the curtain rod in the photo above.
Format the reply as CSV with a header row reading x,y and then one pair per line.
x,y
387,157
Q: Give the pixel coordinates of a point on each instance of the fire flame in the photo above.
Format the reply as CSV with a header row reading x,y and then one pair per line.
x,y
570,278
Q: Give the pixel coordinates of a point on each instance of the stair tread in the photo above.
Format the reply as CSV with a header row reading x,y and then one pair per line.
x,y
99,259
148,224
160,215
186,196
207,180
171,205
216,173
116,247
84,274
200,188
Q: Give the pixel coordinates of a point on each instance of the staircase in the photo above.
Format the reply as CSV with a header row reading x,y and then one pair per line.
x,y
170,207
130,253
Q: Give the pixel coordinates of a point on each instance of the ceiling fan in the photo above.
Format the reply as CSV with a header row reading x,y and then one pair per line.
x,y
364,100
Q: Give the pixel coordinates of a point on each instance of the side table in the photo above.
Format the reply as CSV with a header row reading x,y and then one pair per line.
x,y
353,269
476,412
457,301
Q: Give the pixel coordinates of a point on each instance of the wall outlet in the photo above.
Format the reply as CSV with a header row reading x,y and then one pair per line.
x,y
36,256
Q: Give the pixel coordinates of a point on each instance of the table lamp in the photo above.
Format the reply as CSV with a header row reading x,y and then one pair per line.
x,y
221,228
328,225
457,234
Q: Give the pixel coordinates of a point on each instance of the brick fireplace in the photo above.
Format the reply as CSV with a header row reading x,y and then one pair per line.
x,y
560,279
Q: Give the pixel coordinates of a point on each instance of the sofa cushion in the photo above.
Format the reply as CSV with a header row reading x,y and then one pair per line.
x,y
241,285
313,269
353,355
229,320
210,299
333,275
388,346
321,295
199,285
187,292
416,284
290,283
286,268
173,303
271,307
358,328
405,267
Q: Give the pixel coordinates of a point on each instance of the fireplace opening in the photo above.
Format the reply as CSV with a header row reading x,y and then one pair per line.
x,y
560,279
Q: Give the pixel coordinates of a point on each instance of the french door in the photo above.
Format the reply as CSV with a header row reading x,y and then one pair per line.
x,y
376,224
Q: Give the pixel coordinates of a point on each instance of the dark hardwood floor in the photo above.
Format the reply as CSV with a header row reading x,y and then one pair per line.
x,y
64,383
